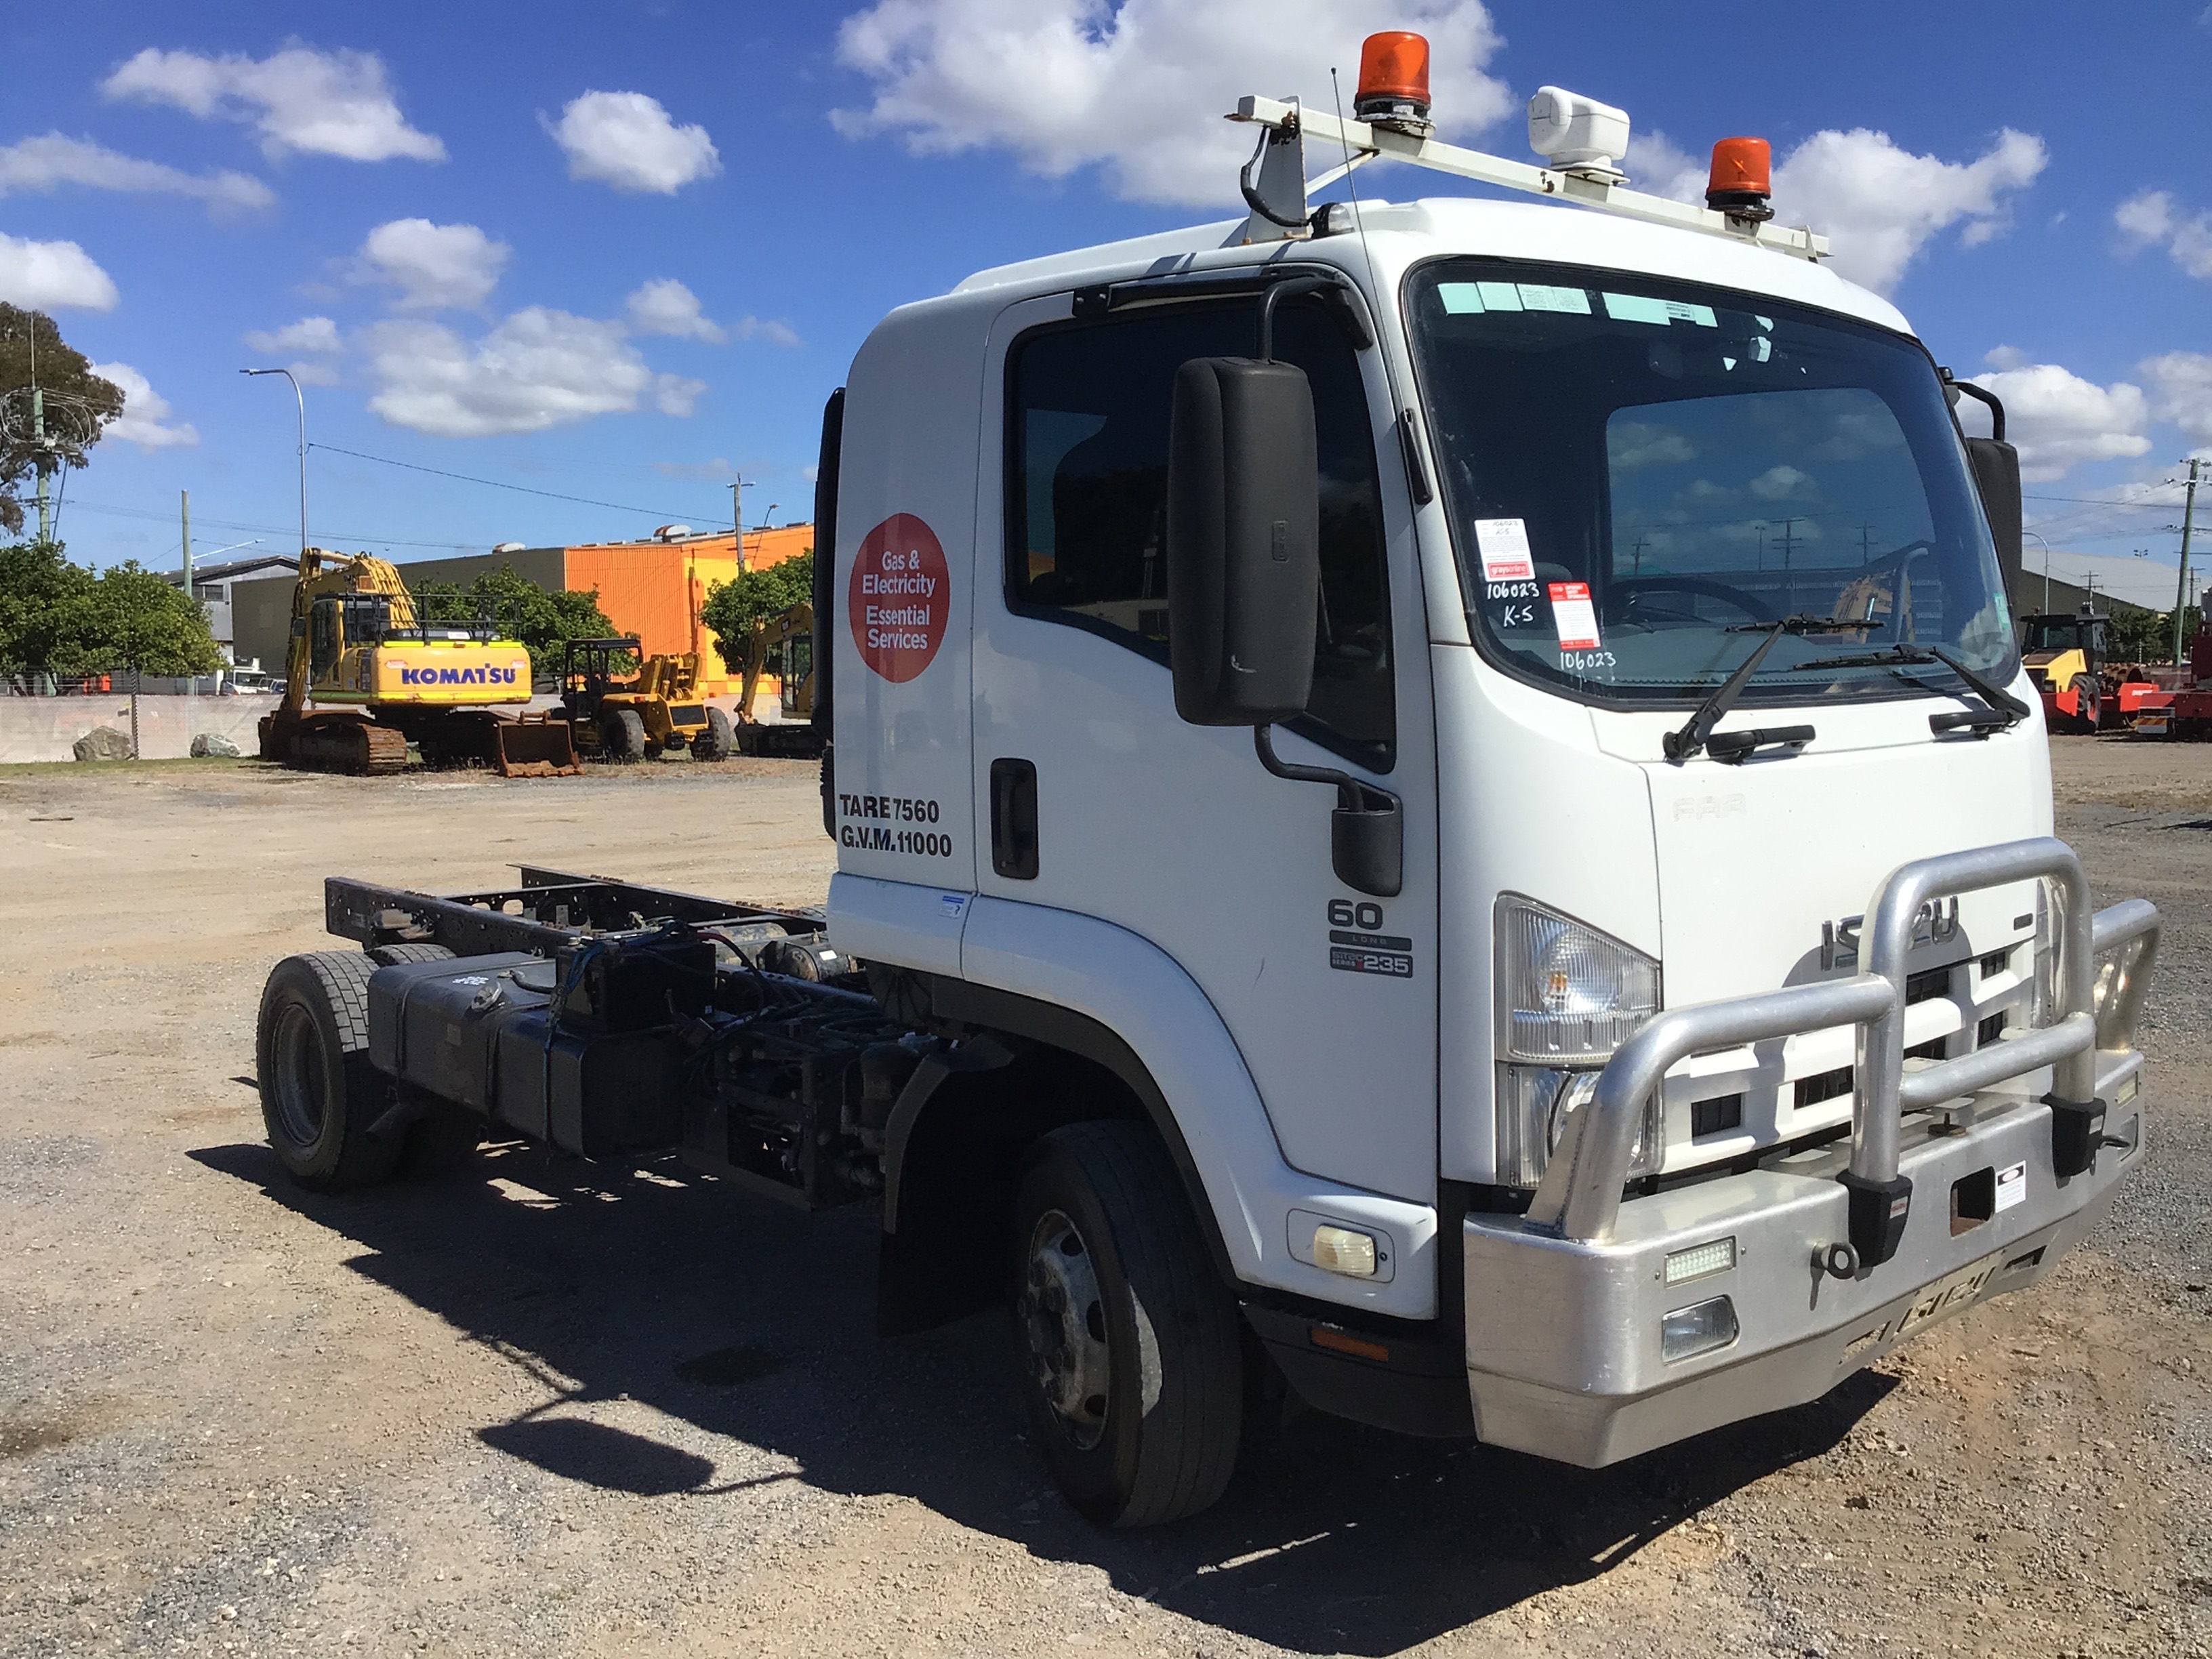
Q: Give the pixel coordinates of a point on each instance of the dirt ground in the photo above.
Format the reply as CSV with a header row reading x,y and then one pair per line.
x,y
543,1407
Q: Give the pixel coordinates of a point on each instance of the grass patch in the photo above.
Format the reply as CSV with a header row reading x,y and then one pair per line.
x,y
86,769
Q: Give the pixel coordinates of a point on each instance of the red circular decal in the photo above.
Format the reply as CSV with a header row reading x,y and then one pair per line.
x,y
900,596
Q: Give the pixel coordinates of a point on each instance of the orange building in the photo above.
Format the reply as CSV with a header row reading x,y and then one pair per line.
x,y
654,588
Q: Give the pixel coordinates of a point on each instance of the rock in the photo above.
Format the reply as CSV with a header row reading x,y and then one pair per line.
x,y
102,743
213,745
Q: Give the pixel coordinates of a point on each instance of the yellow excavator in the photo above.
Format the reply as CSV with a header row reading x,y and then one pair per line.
x,y
784,642
383,677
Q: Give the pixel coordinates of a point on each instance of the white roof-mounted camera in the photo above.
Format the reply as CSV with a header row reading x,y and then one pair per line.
x,y
1578,135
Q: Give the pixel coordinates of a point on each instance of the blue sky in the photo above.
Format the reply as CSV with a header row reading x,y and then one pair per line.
x,y
624,251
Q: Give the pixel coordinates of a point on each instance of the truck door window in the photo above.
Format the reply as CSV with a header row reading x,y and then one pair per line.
x,y
1088,406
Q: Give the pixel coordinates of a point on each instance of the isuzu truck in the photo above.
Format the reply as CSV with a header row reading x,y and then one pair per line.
x,y
1436,812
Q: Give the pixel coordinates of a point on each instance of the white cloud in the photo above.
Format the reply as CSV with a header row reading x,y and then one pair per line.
x,y
665,306
2149,220
308,334
1658,165
53,275
2181,382
144,419
628,141
2059,420
49,163
674,394
2005,356
766,328
1879,204
1135,87
1784,483
434,266
334,103
539,368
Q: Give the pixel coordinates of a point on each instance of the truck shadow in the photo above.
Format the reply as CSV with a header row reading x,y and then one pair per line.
x,y
756,1322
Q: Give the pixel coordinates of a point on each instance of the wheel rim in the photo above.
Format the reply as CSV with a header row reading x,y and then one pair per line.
x,y
299,1079
1064,1324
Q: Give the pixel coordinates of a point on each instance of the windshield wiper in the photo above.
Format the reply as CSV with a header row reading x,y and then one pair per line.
x,y
1680,745
2001,700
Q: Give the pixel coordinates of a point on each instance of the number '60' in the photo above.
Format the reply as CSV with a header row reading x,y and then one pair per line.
x,y
1343,913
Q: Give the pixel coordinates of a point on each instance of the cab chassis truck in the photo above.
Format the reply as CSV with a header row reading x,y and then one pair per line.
x,y
1358,872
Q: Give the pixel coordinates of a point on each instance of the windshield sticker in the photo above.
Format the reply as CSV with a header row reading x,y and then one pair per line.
x,y
1539,296
1574,616
1643,308
1459,298
1504,546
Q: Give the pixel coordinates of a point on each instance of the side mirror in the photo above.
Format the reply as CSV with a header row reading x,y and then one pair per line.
x,y
1243,541
1996,477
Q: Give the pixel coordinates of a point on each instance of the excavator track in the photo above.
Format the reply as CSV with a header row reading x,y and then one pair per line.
x,y
344,744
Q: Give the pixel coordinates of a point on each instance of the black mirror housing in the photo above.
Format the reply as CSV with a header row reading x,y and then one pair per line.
x,y
1997,476
1243,541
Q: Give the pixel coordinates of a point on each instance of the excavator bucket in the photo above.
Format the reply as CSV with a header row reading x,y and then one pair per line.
x,y
527,748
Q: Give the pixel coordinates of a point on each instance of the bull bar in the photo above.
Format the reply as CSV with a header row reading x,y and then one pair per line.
x,y
1564,1302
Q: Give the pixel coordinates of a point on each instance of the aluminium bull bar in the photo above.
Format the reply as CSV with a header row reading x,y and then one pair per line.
x,y
1580,1194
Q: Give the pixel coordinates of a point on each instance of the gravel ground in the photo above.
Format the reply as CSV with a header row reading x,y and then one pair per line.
x,y
543,1406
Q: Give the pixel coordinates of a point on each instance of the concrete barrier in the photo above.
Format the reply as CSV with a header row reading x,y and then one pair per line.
x,y
43,728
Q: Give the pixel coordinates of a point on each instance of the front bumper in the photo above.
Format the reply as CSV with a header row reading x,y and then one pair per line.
x,y
1964,1178
1564,1351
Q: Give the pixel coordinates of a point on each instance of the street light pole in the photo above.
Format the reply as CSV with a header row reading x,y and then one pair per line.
x,y
300,399
2046,570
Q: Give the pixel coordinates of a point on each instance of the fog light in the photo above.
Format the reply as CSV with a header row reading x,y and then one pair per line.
x,y
1695,1330
1341,1250
1700,1260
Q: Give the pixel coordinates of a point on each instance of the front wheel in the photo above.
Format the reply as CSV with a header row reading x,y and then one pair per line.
x,y
622,735
2088,703
1132,1368
718,741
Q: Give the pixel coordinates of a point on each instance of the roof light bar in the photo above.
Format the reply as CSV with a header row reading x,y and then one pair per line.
x,y
1580,182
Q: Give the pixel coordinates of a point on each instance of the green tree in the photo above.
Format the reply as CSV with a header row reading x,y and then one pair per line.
x,y
79,404
733,607
57,617
540,618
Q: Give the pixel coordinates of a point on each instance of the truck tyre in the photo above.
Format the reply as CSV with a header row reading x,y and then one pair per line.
x,y
319,1093
718,741
1132,1367
622,735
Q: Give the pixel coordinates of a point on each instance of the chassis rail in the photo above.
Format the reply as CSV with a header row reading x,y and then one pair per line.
x,y
1579,1197
545,912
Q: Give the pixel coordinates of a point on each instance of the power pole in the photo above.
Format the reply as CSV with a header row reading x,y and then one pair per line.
x,y
1866,544
45,462
1788,542
2181,587
184,508
1637,553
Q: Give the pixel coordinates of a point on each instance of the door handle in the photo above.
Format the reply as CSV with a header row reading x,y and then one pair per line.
x,y
1014,819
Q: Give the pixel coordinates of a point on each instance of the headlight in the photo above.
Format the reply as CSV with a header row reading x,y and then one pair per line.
x,y
1566,992
1568,996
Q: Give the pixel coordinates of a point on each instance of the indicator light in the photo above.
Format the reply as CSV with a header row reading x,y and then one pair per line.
x,y
1737,186
1341,1250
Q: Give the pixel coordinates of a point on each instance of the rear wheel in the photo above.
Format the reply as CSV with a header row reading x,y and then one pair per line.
x,y
622,735
1131,1361
718,741
319,1095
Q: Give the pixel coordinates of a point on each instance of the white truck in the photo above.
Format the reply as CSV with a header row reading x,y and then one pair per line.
x,y
1436,809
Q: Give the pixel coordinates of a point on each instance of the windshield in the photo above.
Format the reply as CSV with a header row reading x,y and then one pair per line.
x,y
2041,633
1643,477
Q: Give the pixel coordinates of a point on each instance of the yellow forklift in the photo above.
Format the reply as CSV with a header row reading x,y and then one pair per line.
x,y
782,644
620,714
382,677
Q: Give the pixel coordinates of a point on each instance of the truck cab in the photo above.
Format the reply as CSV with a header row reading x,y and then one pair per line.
x,y
1656,599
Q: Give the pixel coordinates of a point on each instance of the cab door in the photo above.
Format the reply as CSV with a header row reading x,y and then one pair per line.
x,y
1092,796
